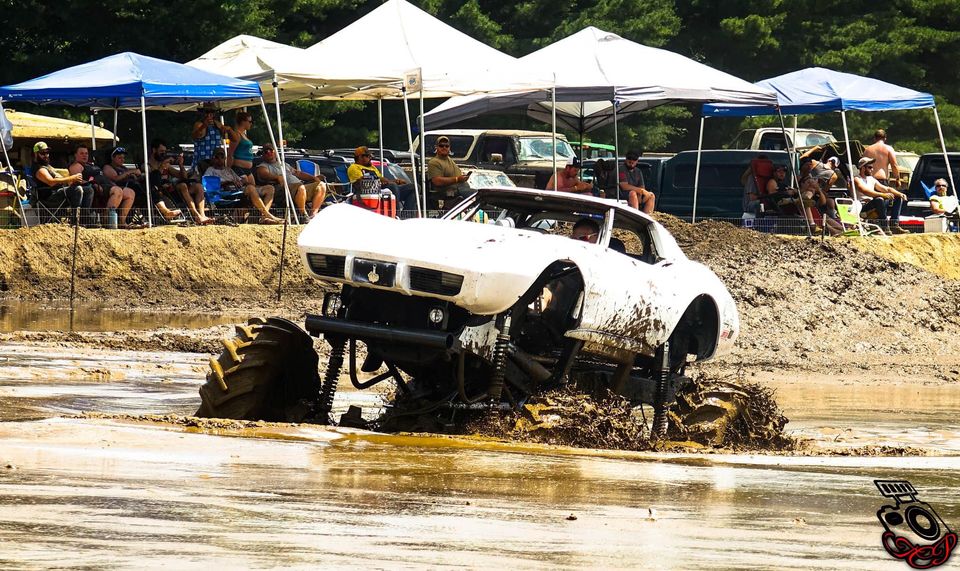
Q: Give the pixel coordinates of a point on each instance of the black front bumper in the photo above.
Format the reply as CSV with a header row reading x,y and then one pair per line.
x,y
330,326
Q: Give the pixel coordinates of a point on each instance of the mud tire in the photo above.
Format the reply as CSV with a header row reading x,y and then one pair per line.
x,y
723,413
268,371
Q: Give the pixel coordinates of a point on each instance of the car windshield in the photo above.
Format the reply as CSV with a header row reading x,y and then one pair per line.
x,y
813,139
487,179
532,148
908,161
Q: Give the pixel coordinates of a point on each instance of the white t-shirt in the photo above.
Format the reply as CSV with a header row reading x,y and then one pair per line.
x,y
274,169
225,175
948,203
869,182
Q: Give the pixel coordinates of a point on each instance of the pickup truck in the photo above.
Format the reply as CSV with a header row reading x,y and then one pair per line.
x,y
525,156
929,168
772,139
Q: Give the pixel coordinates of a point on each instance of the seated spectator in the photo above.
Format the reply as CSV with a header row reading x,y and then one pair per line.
x,y
567,178
878,196
604,178
631,182
171,177
362,169
48,181
130,179
941,202
261,197
106,194
303,186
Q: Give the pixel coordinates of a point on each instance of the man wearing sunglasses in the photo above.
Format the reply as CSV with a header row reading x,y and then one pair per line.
x,y
444,174
586,230
879,195
941,203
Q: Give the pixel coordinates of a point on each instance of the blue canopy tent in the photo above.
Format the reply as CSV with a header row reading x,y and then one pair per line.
x,y
819,90
137,83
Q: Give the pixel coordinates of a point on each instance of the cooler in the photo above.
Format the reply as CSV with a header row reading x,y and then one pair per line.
x,y
384,202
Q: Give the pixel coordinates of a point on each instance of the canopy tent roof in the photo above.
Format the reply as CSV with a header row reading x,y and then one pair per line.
x,y
255,59
818,90
406,39
40,127
597,66
119,81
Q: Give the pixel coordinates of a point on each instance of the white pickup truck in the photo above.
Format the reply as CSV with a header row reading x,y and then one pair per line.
x,y
772,139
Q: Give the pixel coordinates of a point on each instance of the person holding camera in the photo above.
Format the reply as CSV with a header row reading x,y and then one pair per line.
x,y
207,136
170,175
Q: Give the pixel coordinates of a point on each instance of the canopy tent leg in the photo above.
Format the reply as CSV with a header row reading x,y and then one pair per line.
x,y
616,149
423,148
696,172
146,162
791,151
416,191
286,186
6,157
380,129
116,110
852,188
943,147
93,132
553,131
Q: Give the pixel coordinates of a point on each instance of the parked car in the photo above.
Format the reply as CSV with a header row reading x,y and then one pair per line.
x,y
906,162
526,156
587,151
929,168
720,191
772,139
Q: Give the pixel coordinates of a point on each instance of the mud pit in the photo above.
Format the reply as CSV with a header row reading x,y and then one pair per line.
x,y
864,365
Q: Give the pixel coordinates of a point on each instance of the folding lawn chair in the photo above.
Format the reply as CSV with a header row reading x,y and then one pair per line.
x,y
849,213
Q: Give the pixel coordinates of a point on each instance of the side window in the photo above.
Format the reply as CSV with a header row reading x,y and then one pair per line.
x,y
773,142
636,244
495,145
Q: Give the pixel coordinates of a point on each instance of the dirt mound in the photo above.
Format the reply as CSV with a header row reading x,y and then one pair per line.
x,y
159,267
802,297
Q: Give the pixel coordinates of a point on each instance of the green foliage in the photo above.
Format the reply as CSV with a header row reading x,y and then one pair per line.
x,y
907,42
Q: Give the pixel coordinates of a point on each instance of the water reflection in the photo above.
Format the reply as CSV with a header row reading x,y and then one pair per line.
x,y
30,316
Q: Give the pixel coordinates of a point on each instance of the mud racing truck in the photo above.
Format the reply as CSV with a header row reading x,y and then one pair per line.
x,y
466,315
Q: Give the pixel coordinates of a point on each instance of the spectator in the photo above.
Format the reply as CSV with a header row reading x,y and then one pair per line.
x,y
207,136
107,195
131,180
604,178
260,197
240,153
303,186
566,179
879,194
631,182
49,181
941,202
174,178
815,181
363,169
885,160
444,174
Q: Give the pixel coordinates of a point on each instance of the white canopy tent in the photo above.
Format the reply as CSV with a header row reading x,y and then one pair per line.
x,y
413,52
617,75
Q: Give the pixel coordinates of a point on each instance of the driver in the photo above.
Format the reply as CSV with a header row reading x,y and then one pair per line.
x,y
586,229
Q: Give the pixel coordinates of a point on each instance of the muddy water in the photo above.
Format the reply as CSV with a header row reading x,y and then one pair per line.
x,y
101,493
27,316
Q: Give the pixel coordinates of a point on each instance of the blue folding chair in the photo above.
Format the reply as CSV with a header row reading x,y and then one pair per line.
x,y
309,167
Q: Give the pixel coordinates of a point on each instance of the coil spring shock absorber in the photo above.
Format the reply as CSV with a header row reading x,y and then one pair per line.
x,y
660,404
331,377
499,362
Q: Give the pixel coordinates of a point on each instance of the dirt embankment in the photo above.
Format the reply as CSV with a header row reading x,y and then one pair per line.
x,y
804,304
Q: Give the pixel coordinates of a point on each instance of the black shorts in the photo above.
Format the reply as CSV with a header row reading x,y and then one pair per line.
x,y
241,171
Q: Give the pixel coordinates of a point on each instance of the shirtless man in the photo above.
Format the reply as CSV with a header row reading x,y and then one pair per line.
x,y
885,160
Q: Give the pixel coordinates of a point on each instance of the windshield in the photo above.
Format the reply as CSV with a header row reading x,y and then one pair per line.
x,y
813,139
532,148
907,161
487,179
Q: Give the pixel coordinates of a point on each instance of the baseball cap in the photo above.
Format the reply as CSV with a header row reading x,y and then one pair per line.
x,y
835,160
864,161
360,151
573,161
118,151
41,146
443,139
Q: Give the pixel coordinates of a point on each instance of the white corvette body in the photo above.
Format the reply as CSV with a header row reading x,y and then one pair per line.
x,y
629,305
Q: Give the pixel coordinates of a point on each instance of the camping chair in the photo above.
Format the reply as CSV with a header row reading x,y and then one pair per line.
x,y
762,172
54,208
850,219
13,191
